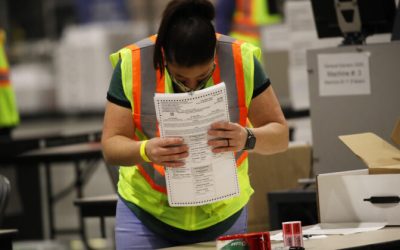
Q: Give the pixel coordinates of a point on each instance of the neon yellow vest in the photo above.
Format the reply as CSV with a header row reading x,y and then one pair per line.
x,y
248,17
8,109
145,188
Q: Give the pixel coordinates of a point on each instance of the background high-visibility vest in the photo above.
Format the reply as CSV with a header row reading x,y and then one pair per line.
x,y
9,116
248,17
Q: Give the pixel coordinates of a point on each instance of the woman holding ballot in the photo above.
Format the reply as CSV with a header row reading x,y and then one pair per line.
x,y
185,55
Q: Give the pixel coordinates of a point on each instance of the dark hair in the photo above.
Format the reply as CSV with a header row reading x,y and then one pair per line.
x,y
186,34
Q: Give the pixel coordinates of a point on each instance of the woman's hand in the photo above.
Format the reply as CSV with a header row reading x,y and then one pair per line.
x,y
168,152
226,136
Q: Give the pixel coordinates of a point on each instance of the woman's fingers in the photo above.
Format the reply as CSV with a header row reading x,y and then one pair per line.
x,y
226,136
167,151
171,152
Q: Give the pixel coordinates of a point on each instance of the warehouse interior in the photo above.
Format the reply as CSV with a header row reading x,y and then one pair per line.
x,y
60,71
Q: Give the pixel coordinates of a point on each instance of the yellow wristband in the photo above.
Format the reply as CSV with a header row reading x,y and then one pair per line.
x,y
143,151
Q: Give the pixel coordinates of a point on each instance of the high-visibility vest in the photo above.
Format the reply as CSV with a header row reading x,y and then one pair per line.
x,y
9,116
144,184
249,15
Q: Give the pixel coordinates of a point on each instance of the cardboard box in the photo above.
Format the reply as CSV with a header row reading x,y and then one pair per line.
x,y
344,197
380,156
274,172
361,195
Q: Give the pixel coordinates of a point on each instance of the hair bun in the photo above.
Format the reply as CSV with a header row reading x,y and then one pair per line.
x,y
190,8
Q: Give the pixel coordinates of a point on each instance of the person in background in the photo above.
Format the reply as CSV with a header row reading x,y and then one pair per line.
x,y
9,116
185,55
242,19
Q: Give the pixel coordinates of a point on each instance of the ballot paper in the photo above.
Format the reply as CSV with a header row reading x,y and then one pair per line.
x,y
206,177
321,230
344,228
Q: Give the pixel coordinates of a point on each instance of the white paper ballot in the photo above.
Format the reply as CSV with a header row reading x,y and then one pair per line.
x,y
206,177
344,228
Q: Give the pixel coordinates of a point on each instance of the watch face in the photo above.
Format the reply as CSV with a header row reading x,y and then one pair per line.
x,y
251,140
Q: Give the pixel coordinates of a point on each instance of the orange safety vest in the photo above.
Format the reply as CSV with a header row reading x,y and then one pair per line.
x,y
248,17
144,184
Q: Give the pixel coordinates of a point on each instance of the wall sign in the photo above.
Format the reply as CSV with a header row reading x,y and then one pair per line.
x,y
344,74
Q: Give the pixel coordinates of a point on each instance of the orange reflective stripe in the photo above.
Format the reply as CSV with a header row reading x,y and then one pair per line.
x,y
217,72
242,157
160,88
153,38
247,8
4,77
135,136
150,180
239,4
4,83
136,85
158,130
237,57
244,9
132,47
245,21
160,169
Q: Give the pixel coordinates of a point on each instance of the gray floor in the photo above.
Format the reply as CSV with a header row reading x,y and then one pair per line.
x,y
98,244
